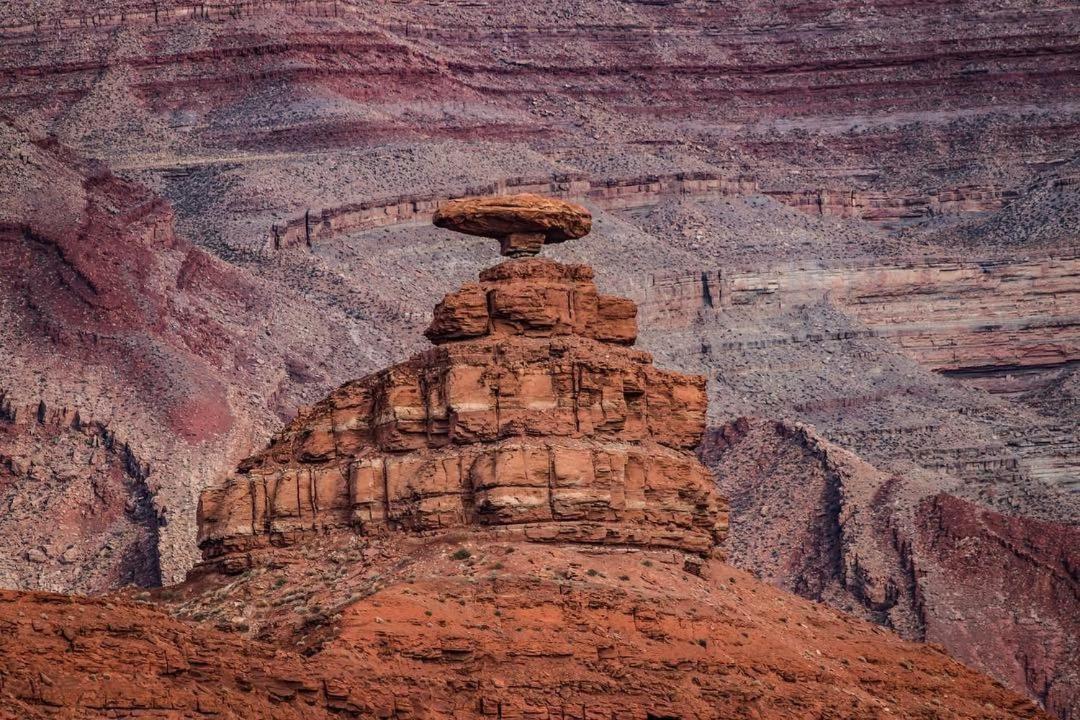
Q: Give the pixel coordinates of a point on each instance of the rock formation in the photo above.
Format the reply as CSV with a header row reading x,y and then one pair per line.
x,y
80,505
999,591
104,307
866,184
934,309
509,525
521,223
532,413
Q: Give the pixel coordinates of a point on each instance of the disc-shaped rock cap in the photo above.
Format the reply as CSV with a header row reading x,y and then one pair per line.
x,y
521,222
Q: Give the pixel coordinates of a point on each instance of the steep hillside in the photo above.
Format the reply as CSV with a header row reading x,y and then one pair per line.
x,y
998,590
132,358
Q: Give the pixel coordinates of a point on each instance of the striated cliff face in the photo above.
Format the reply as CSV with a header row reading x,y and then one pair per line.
x,y
631,192
999,591
1004,327
282,121
117,333
885,192
301,145
990,317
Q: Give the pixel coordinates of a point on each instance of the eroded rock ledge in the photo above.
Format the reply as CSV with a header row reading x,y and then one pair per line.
x,y
531,414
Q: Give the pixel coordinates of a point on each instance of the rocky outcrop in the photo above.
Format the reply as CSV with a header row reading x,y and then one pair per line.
x,y
621,193
508,525
310,123
77,511
539,299
530,414
1001,593
998,591
344,125
473,629
521,223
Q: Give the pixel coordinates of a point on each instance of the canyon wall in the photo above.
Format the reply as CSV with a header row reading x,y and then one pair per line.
x,y
951,314
260,238
636,192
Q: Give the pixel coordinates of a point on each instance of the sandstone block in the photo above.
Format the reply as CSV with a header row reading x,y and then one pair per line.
x,y
523,223
535,298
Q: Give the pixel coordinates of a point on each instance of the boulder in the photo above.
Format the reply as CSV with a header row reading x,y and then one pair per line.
x,y
522,223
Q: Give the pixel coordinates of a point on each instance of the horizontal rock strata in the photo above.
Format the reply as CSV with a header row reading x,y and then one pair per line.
x,y
530,413
535,299
948,313
572,492
613,192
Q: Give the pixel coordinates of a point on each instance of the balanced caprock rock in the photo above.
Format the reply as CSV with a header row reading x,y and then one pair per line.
x,y
509,525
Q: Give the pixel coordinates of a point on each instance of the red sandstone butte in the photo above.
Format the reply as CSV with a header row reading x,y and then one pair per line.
x,y
519,418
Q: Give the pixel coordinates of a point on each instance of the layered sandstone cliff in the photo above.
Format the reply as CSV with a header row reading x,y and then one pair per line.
x,y
509,525
302,144
289,137
953,314
126,351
